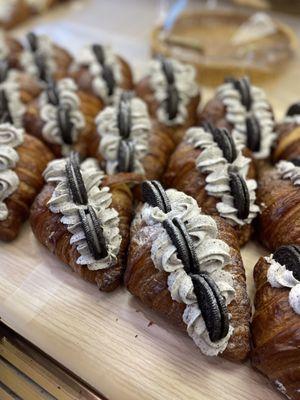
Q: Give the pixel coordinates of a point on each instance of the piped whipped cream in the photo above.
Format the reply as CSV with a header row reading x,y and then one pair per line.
x,y
11,89
68,98
99,198
279,277
288,170
10,138
108,130
184,77
292,119
87,58
211,161
236,114
212,253
7,8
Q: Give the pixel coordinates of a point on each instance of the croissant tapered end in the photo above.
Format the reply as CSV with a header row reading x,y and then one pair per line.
x,y
287,146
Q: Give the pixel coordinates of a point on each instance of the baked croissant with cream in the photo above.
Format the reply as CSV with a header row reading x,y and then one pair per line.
x,y
102,73
13,12
63,117
276,321
245,111
128,141
187,267
23,159
279,196
83,217
10,50
172,95
218,172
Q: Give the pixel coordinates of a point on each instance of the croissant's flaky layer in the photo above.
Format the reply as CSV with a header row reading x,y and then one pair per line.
x,y
20,12
29,87
89,106
288,142
33,158
275,334
144,91
150,285
183,175
54,235
279,220
215,113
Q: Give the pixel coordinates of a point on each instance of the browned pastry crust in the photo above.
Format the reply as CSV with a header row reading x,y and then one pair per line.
x,y
19,14
33,158
54,235
150,285
29,87
275,334
144,91
90,107
15,48
215,112
183,175
288,141
279,220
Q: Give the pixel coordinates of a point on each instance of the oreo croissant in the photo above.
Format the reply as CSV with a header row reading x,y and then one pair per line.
x,y
279,196
22,161
102,73
276,322
83,218
172,95
187,267
10,50
14,12
218,172
63,117
245,111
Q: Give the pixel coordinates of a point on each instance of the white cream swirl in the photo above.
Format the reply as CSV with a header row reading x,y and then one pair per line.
x,y
68,98
288,170
185,83
100,199
236,114
213,256
10,138
212,161
88,59
279,277
7,8
11,89
108,130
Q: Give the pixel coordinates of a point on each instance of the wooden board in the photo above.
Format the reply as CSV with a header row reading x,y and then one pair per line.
x,y
111,341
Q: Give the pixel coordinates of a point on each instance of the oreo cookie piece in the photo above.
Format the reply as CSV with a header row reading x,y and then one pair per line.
x,y
93,232
124,115
4,68
32,41
107,73
208,127
290,257
253,133
168,71
5,115
240,193
243,86
126,156
41,66
224,140
172,99
154,194
212,306
52,93
99,53
295,161
76,183
294,109
65,125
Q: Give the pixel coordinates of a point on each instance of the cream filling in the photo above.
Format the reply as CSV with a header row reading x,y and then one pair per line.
x,y
236,115
46,50
212,162
12,91
67,93
101,199
213,256
87,58
107,128
288,170
279,276
7,8
10,138
185,84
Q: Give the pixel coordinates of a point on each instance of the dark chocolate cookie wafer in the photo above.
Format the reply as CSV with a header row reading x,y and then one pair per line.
x,y
172,99
41,66
4,68
226,143
32,40
295,161
107,73
76,183
253,133
5,115
65,124
155,195
294,109
208,127
240,193
52,93
290,257
126,156
124,115
243,86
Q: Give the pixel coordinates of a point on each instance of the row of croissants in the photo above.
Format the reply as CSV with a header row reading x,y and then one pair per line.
x,y
142,185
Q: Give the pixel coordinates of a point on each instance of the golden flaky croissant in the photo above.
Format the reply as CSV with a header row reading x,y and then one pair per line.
x,y
219,173
63,117
13,13
23,159
276,321
172,95
96,252
163,273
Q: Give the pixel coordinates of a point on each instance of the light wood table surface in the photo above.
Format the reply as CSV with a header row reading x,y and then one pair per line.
x,y
111,341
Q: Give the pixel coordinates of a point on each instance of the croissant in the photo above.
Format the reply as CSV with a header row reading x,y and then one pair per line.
x,y
63,118
276,321
102,73
13,12
164,274
244,110
172,95
10,49
206,166
96,252
279,196
22,161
